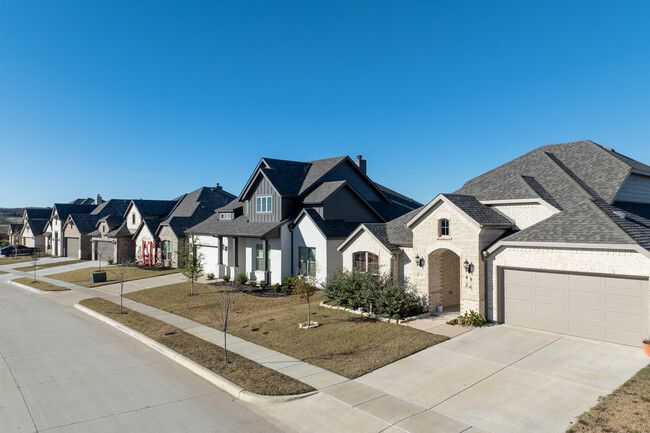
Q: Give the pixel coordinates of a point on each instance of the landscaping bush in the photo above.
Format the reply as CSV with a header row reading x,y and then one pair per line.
x,y
263,284
110,260
289,284
359,290
210,276
277,287
253,283
470,318
226,278
242,278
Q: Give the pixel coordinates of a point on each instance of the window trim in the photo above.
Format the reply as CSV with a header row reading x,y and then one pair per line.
x,y
311,265
366,262
441,228
165,252
264,204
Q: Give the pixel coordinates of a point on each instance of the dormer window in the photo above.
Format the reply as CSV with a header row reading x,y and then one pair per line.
x,y
225,216
443,227
264,204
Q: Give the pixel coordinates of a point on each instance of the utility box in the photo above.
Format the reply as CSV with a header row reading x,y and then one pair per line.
x,y
97,277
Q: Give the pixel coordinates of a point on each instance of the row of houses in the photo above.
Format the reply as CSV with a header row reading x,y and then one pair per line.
x,y
557,239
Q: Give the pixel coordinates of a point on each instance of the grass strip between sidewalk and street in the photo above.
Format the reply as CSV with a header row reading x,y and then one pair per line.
x,y
49,265
627,409
40,285
81,277
242,371
4,272
12,260
345,343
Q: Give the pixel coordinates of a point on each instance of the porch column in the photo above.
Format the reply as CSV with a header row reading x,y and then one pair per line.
x,y
265,259
220,255
236,252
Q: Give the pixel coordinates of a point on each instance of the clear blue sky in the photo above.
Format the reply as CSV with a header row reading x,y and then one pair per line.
x,y
135,99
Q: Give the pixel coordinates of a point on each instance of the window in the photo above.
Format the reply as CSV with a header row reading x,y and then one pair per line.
x,y
365,261
307,261
133,218
167,250
443,227
225,216
259,257
264,204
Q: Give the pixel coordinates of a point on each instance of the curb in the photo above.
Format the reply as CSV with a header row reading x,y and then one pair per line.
x,y
24,287
220,382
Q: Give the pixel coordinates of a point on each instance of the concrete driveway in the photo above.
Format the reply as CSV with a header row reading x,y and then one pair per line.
x,y
507,379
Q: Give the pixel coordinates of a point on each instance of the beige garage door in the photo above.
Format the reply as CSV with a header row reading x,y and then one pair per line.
x,y
72,247
605,308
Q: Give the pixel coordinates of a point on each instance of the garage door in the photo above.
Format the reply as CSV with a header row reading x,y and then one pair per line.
x,y
105,249
72,247
601,307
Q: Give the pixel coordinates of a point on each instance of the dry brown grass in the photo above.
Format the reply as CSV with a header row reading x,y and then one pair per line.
x,y
625,410
4,272
347,344
40,285
49,265
242,371
12,260
81,277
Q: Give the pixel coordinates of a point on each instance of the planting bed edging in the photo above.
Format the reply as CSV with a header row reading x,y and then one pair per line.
x,y
196,368
370,315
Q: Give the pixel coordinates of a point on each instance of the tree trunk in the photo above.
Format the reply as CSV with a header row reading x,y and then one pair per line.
x,y
308,313
225,330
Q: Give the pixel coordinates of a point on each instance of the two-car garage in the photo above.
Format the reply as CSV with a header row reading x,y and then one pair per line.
x,y
602,307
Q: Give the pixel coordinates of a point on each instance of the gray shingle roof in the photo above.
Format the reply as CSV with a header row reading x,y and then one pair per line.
x,y
85,223
231,206
37,225
322,191
380,231
240,226
482,214
113,206
332,229
38,213
154,208
65,209
194,207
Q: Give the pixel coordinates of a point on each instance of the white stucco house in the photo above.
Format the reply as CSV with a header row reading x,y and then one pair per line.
x,y
557,239
290,217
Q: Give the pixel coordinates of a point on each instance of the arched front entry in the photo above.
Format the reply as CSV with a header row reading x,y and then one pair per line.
x,y
444,280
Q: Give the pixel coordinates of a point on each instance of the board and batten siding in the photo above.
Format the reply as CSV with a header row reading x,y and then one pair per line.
x,y
345,205
263,188
361,185
635,189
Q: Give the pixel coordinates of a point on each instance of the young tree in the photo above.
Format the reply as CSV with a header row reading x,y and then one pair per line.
x,y
121,273
35,261
304,289
227,296
192,261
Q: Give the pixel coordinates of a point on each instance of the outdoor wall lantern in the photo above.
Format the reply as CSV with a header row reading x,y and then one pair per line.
x,y
419,261
468,266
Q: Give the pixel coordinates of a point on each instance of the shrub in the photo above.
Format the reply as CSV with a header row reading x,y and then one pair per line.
x,y
242,278
226,278
359,290
157,265
470,318
289,284
277,287
210,276
263,284
253,283
110,260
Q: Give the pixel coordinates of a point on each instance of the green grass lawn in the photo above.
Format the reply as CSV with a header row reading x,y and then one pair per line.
x,y
12,260
347,344
40,285
249,375
625,410
49,265
81,277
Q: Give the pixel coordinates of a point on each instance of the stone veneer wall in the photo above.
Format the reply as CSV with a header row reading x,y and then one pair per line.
x,y
366,242
167,234
525,214
614,262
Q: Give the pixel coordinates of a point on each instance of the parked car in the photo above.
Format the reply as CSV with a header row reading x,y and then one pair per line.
x,y
17,250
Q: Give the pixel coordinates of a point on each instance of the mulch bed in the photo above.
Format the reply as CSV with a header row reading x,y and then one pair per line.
x,y
267,292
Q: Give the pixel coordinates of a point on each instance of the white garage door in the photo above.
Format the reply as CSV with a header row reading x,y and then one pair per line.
x,y
605,308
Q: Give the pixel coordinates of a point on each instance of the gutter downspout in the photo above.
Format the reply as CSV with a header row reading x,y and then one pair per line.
x,y
291,227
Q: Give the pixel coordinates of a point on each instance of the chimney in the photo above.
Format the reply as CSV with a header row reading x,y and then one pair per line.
x,y
361,163
98,199
217,186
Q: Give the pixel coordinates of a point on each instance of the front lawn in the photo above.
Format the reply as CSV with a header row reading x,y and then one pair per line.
x,y
81,277
11,260
4,272
347,344
248,374
40,285
49,265
625,410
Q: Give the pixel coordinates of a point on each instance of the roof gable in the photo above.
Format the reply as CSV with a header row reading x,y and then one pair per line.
x,y
479,214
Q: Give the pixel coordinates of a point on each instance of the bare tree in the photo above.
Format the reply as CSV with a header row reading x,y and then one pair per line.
x,y
121,273
226,298
35,261
192,260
